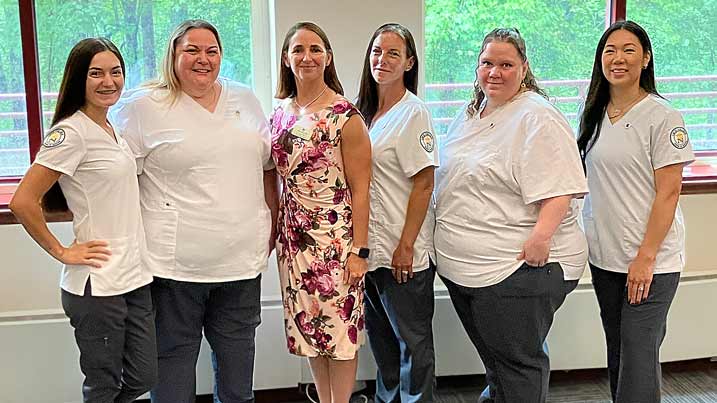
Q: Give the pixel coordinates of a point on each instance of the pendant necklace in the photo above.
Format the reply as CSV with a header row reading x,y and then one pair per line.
x,y
621,111
302,108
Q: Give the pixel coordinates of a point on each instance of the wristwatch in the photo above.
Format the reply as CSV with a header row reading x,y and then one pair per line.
x,y
361,252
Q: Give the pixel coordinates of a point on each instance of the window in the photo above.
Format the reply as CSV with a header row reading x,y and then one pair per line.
x,y
14,156
140,29
561,37
685,66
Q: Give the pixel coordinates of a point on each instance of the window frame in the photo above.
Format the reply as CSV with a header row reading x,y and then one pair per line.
x,y
261,56
261,39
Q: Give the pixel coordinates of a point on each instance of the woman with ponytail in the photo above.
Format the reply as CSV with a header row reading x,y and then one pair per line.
x,y
507,239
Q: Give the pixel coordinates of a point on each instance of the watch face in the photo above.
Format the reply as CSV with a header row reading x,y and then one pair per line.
x,y
363,253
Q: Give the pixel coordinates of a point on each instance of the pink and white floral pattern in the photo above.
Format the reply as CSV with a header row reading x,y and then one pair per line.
x,y
323,316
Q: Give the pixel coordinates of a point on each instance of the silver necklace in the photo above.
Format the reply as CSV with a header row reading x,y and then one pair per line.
x,y
302,108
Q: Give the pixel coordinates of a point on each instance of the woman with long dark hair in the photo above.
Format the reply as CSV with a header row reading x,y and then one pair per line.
x,y
634,146
399,284
208,190
323,156
507,239
105,290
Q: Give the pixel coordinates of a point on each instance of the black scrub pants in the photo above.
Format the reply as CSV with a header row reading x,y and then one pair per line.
x,y
227,313
399,325
508,323
116,339
634,333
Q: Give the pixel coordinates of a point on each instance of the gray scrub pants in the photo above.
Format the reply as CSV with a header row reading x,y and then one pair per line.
x,y
116,339
228,313
399,325
634,334
508,323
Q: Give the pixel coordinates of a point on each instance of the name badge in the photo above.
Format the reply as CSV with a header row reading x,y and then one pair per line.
x,y
300,132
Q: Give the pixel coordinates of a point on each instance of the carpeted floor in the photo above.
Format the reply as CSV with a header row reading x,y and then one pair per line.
x,y
683,382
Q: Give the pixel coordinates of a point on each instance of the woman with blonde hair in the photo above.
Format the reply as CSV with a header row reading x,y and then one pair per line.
x,y
208,190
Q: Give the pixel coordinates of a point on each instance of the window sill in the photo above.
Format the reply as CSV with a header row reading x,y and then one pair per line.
x,y
7,217
699,185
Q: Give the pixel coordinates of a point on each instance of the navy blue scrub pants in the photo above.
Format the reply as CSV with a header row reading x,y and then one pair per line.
x,y
508,323
634,333
116,339
399,325
228,313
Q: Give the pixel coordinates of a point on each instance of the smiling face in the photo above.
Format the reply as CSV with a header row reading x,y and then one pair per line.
x,y
500,72
105,81
307,56
197,61
389,59
623,59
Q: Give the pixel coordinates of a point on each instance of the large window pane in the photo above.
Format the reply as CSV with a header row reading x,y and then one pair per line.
x,y
683,34
560,35
141,29
14,153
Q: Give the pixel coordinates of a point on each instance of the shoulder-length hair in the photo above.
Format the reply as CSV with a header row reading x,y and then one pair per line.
x,y
367,101
168,79
512,36
286,87
599,91
72,97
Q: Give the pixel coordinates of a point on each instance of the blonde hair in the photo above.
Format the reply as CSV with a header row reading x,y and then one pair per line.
x,y
168,79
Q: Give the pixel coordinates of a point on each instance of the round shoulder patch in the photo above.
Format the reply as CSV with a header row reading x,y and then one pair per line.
x,y
679,138
427,141
54,138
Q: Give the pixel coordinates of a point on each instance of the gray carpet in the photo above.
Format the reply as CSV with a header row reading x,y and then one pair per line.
x,y
683,382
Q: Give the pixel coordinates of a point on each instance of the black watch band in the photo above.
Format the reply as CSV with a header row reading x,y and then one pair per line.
x,y
361,252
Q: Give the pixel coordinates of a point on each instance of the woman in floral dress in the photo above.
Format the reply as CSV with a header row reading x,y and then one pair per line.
x,y
323,154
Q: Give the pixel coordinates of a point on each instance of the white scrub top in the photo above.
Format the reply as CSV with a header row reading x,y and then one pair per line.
x,y
201,182
621,176
403,143
99,182
493,172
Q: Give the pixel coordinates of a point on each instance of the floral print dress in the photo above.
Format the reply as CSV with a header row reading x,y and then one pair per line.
x,y
322,315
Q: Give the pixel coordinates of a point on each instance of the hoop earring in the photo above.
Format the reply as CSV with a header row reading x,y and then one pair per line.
x,y
522,85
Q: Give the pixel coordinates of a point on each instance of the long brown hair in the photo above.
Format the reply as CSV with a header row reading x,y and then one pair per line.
x,y
367,101
286,87
512,36
72,97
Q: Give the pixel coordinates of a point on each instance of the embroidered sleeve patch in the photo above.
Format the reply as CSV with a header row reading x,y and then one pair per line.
x,y
54,138
427,141
679,138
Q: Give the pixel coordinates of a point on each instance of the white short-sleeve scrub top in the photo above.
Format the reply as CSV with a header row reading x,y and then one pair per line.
x,y
403,143
99,181
621,175
493,172
201,182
